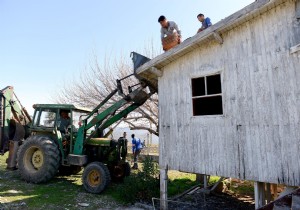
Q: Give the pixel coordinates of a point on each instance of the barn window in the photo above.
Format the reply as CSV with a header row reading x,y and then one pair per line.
x,y
207,95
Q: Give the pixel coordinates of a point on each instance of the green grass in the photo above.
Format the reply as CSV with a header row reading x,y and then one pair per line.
x,y
180,182
65,192
242,188
60,193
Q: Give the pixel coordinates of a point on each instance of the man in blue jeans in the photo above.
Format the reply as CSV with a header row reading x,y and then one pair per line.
x,y
205,22
136,150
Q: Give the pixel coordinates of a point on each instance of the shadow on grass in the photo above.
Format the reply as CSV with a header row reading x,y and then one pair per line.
x,y
62,192
178,186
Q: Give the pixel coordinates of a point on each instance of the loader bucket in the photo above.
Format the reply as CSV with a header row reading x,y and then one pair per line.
x,y
138,60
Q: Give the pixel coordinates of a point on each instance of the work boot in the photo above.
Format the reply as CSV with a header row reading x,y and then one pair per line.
x,y
135,166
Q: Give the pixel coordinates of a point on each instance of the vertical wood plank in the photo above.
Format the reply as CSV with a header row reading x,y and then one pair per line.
x,y
259,194
164,187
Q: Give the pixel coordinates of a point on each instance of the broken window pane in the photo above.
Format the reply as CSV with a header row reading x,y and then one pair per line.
x,y
198,86
202,90
214,84
208,106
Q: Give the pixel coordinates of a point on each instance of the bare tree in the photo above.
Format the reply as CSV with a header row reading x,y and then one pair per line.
x,y
98,80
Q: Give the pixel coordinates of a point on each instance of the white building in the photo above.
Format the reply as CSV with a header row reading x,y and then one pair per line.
x,y
229,97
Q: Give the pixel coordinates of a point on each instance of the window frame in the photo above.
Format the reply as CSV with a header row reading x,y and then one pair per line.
x,y
37,116
205,75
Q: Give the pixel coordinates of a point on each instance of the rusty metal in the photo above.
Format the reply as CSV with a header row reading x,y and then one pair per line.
x,y
12,157
138,96
18,135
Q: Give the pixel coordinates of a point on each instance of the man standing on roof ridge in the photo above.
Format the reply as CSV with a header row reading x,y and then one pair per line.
x,y
205,22
170,33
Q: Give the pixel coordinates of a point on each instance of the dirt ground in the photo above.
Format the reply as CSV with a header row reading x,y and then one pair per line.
x,y
216,201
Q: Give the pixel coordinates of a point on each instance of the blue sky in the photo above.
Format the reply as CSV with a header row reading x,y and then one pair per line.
x,y
44,44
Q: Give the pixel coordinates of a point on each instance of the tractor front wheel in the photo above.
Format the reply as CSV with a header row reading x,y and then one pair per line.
x,y
95,177
38,159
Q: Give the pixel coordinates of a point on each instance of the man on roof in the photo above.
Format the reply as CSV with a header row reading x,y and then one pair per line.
x,y
205,22
170,33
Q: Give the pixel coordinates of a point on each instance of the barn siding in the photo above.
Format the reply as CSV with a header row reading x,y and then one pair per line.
x,y
258,136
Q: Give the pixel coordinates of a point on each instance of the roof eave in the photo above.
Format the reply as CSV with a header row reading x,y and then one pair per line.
x,y
256,8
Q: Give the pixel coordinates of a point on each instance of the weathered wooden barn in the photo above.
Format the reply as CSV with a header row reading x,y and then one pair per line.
x,y
229,97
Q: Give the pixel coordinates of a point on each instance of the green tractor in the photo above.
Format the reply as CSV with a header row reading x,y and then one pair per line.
x,y
63,138
51,148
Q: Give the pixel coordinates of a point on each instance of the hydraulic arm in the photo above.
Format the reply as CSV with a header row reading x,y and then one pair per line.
x,y
109,116
128,103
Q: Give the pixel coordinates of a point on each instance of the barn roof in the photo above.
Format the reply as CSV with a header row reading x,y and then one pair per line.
x,y
212,33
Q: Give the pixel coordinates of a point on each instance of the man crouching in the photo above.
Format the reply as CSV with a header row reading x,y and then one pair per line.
x,y
170,33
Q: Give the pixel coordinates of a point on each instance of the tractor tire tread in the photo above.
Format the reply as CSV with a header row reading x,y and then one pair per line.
x,y
106,177
51,155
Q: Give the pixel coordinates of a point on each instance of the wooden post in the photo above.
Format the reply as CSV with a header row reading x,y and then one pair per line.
x,y
200,178
268,192
164,187
205,182
259,193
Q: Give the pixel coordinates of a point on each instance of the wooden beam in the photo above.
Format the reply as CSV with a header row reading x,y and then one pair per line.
x,y
156,72
259,194
287,190
218,37
295,49
217,183
164,187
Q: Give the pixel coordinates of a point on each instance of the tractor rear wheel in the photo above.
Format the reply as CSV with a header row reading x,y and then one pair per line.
x,y
69,170
95,177
127,169
38,159
118,172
